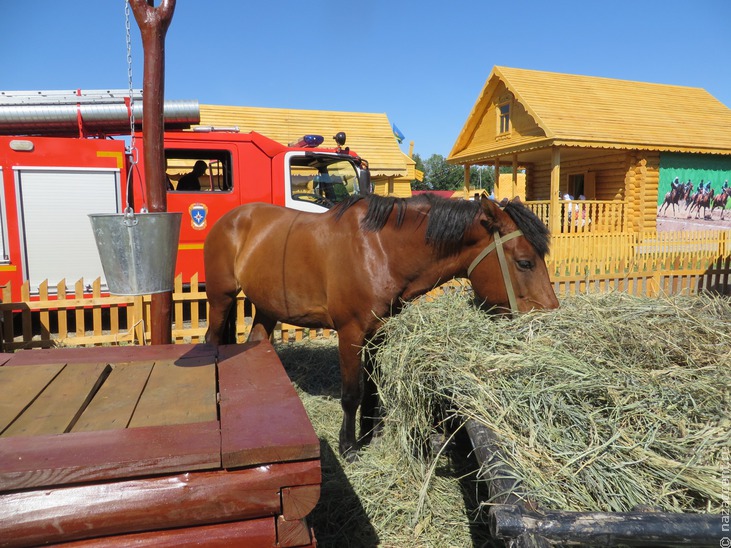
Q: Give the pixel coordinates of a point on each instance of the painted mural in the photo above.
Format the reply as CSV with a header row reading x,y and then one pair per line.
x,y
695,186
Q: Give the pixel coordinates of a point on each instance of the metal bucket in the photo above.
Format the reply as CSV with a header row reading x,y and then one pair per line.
x,y
137,251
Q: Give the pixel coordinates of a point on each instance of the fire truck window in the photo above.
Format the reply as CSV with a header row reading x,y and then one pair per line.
x,y
324,181
198,171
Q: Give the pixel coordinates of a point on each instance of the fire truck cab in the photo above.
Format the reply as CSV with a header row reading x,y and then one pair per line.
x,y
243,168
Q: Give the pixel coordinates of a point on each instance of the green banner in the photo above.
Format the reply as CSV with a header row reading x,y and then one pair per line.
x,y
690,171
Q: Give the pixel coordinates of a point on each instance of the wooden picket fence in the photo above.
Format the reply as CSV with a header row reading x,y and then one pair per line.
x,y
656,263
59,317
55,317
650,278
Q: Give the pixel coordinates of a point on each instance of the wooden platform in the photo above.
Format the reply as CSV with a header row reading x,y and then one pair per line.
x,y
160,445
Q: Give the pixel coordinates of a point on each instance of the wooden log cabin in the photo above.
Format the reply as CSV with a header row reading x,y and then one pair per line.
x,y
616,143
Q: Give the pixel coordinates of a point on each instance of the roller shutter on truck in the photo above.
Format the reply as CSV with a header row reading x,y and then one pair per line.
x,y
55,232
4,258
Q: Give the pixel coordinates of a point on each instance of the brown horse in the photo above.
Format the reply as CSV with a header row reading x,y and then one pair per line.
x,y
702,199
720,201
351,267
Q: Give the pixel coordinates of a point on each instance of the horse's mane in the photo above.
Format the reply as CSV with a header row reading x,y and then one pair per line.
x,y
534,230
448,220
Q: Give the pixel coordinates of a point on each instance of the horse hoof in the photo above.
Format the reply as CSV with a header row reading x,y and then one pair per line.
x,y
349,454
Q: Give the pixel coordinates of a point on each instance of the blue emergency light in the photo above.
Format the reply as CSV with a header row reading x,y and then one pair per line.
x,y
308,141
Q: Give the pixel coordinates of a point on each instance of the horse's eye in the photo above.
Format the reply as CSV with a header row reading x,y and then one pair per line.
x,y
525,265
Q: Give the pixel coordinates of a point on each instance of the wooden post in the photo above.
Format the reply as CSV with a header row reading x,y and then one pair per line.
x,y
466,181
154,23
555,213
497,190
515,176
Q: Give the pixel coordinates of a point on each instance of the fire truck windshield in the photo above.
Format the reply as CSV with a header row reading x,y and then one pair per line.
x,y
321,179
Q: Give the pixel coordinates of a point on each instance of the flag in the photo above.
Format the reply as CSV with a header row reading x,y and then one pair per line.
x,y
396,133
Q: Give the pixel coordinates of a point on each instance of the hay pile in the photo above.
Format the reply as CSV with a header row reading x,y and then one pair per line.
x,y
609,402
386,498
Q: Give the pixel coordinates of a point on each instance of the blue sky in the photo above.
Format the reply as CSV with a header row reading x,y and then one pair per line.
x,y
422,63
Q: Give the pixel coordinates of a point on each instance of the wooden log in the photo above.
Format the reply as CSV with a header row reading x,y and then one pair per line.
x,y
502,487
50,461
509,522
293,533
498,476
299,501
253,532
136,506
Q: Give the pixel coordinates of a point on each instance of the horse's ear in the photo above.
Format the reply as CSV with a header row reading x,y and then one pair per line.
x,y
491,210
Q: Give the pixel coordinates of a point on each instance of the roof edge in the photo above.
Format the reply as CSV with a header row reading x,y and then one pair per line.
x,y
491,155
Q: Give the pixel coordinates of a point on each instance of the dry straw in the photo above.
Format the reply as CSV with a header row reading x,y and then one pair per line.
x,y
609,402
376,501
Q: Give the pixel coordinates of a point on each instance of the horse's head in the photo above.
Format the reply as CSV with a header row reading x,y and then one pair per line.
x,y
508,270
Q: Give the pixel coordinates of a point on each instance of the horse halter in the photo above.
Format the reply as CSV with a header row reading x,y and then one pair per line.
x,y
497,245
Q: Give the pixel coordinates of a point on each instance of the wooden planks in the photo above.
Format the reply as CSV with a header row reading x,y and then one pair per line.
x,y
178,392
133,449
253,428
116,401
23,389
55,409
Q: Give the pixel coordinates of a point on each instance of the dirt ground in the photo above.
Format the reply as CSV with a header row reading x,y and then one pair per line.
x,y
667,221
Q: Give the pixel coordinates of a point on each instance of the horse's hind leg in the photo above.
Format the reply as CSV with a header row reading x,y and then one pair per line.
x,y
222,287
262,327
220,306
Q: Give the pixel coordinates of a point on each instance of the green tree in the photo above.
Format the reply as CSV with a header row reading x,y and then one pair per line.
x,y
415,183
439,175
482,178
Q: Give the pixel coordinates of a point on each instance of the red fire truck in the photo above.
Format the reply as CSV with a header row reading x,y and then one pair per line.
x,y
58,164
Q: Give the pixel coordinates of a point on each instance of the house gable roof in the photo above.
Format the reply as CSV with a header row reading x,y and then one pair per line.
x,y
572,110
369,134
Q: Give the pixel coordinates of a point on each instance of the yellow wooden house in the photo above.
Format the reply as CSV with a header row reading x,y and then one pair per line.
x,y
370,135
615,143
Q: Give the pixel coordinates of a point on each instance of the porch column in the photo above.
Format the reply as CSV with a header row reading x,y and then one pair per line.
x,y
555,214
498,193
466,181
515,176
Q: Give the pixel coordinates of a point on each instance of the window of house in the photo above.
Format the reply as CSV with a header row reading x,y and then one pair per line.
x,y
503,118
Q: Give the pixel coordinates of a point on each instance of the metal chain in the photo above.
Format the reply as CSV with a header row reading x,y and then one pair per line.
x,y
132,151
129,78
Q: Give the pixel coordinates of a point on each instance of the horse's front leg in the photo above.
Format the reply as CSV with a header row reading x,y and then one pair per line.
x,y
370,410
349,345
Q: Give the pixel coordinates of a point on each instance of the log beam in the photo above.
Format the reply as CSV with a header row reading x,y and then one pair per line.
x,y
607,528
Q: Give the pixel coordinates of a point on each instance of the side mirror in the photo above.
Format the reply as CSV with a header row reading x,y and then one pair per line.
x,y
364,181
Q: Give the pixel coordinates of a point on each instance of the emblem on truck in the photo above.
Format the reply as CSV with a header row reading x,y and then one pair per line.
x,y
198,216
